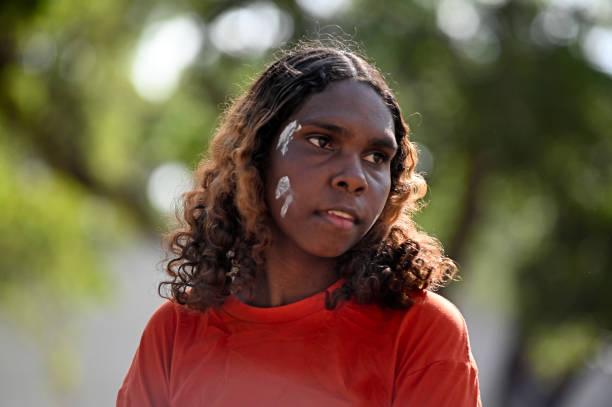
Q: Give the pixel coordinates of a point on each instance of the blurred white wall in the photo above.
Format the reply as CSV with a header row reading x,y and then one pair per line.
x,y
105,340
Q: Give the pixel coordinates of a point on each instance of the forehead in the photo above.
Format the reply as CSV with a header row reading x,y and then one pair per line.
x,y
350,104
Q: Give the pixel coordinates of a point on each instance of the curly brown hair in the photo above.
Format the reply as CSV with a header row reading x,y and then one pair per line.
x,y
225,223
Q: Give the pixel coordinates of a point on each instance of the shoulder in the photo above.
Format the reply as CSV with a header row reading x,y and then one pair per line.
x,y
433,309
167,318
166,314
161,325
435,364
177,324
434,329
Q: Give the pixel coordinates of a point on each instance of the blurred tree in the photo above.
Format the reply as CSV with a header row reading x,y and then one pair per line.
x,y
511,107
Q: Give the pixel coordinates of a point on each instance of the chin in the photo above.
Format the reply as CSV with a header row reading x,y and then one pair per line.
x,y
330,251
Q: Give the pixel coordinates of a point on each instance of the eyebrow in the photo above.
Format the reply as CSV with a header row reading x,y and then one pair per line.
x,y
380,142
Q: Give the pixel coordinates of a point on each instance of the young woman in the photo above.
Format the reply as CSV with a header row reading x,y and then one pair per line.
x,y
299,278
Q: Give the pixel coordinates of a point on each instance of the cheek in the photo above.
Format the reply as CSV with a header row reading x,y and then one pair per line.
x,y
379,202
381,187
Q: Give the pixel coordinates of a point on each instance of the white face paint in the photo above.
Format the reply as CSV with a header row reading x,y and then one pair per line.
x,y
286,136
283,188
288,201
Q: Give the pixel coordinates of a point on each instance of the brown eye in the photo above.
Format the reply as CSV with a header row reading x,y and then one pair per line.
x,y
320,141
377,158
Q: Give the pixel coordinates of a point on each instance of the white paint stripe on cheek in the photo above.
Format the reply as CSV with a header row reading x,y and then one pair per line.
x,y
282,187
286,136
288,201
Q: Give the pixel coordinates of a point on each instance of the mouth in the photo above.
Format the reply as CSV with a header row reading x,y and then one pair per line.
x,y
340,218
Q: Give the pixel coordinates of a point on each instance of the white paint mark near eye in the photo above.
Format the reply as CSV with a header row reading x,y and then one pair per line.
x,y
286,136
283,186
288,201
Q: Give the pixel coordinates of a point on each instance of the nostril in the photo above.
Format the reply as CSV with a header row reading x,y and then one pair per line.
x,y
357,186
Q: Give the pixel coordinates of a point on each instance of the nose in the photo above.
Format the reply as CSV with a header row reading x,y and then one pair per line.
x,y
350,176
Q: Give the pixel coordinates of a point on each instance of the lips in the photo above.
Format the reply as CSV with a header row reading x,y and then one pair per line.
x,y
342,218
341,214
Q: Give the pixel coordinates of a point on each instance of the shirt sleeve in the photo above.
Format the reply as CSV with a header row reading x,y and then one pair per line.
x,y
146,383
436,367
441,384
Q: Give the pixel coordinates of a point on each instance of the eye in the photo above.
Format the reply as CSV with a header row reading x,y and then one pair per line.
x,y
377,157
320,141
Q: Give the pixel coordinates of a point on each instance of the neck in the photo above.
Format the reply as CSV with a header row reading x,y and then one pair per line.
x,y
291,275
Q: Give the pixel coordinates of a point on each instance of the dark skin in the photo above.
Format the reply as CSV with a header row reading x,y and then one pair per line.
x,y
337,164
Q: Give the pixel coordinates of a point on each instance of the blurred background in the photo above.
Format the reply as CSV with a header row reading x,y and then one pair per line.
x,y
106,106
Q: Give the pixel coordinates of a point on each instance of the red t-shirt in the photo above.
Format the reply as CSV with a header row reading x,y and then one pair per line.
x,y
304,355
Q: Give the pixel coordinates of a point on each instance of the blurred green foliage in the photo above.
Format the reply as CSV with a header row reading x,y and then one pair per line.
x,y
519,131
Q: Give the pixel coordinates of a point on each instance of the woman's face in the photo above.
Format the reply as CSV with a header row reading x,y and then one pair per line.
x,y
329,176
